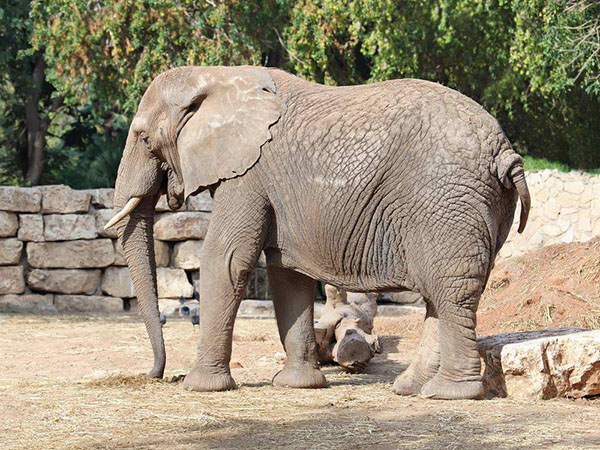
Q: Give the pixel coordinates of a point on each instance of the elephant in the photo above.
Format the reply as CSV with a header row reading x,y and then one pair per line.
x,y
390,186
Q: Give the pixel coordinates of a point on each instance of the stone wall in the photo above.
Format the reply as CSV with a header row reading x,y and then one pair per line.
x,y
55,255
565,207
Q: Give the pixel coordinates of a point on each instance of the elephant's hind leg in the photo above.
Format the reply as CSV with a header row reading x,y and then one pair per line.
x,y
293,299
426,360
459,376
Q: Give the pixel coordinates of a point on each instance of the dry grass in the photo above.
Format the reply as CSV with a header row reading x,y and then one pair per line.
x,y
73,382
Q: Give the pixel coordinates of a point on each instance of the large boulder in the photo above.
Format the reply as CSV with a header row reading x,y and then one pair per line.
x,y
186,254
10,251
102,197
20,199
542,364
71,254
87,303
116,282
12,280
102,216
62,199
64,281
8,224
181,226
69,227
200,202
31,227
34,303
161,253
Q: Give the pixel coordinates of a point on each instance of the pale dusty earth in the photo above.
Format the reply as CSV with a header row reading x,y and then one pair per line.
x,y
74,382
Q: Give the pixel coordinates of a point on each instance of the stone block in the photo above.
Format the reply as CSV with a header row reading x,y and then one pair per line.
x,y
181,226
64,281
542,364
161,253
87,303
186,254
62,199
200,202
31,227
102,198
9,224
69,227
116,282
102,216
34,303
12,280
173,283
10,251
20,199
256,309
71,254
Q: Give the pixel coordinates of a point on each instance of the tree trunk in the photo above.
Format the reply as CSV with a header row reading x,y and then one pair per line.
x,y
36,126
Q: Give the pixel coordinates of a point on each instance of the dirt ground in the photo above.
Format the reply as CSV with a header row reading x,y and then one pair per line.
x,y
74,382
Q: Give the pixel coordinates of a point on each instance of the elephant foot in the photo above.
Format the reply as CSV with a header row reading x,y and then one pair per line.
x,y
407,384
156,373
440,388
305,376
201,380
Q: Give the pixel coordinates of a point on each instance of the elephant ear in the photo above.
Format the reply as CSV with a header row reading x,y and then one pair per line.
x,y
234,108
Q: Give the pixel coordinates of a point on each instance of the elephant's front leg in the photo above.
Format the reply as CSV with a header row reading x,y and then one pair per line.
x,y
225,269
293,299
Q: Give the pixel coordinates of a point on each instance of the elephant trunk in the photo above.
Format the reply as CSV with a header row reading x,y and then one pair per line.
x,y
136,236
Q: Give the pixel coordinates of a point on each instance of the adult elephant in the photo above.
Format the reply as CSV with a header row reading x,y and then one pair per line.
x,y
399,185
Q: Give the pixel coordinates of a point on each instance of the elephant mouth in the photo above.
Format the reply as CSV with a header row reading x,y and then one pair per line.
x,y
174,189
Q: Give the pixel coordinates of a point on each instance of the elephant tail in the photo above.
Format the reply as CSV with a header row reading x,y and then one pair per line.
x,y
509,169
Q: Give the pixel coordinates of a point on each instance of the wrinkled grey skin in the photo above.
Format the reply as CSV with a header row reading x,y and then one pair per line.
x,y
400,185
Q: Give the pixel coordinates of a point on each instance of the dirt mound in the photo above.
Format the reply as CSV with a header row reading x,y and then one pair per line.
x,y
556,286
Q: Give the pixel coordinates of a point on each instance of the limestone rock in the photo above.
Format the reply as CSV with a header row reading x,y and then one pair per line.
x,y
12,280
186,255
62,199
71,254
161,253
102,198
542,364
34,303
20,199
102,217
10,251
117,282
181,226
87,303
405,298
8,224
173,283
200,202
64,281
31,227
68,227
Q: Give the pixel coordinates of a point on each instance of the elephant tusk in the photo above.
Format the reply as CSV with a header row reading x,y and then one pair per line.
x,y
127,209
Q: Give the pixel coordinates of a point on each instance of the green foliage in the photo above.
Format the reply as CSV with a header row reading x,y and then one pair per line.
x,y
535,64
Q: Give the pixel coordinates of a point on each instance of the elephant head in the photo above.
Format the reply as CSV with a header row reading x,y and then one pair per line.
x,y
195,126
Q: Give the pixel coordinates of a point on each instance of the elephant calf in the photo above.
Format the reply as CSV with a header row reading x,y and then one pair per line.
x,y
399,185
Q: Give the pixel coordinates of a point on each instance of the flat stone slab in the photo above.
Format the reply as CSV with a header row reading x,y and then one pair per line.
x,y
69,227
19,199
80,254
62,199
9,224
33,303
64,281
87,303
12,280
10,251
31,227
542,364
181,226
